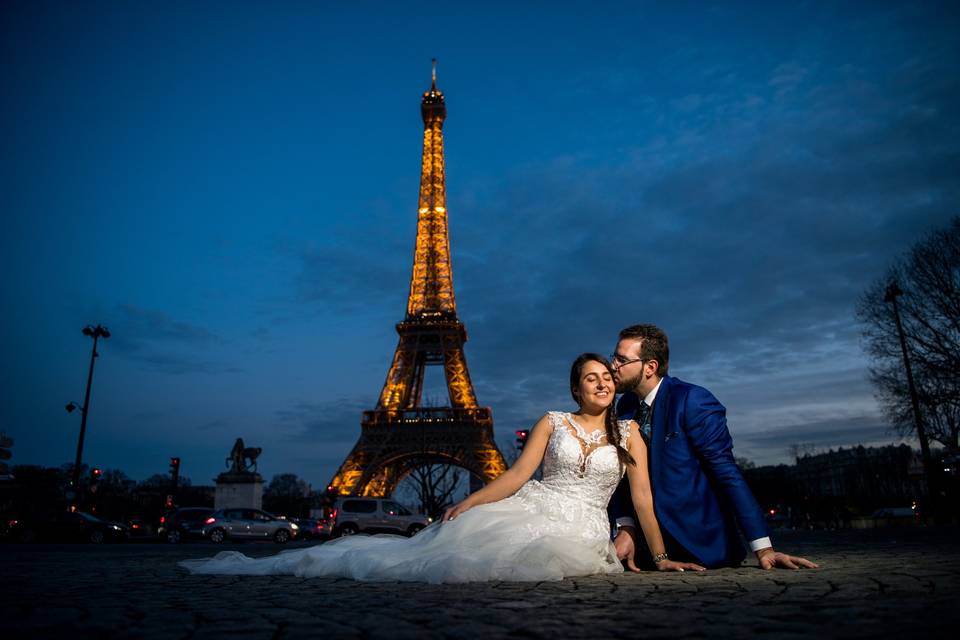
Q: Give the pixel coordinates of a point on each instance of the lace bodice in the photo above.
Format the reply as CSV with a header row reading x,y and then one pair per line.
x,y
581,470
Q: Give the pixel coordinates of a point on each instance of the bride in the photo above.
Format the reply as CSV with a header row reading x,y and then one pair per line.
x,y
514,528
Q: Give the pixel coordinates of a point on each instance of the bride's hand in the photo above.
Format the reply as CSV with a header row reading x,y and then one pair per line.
x,y
454,511
673,565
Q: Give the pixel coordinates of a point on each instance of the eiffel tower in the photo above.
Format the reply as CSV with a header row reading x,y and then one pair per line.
x,y
401,433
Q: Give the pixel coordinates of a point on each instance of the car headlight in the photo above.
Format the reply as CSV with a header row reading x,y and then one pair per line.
x,y
294,526
113,526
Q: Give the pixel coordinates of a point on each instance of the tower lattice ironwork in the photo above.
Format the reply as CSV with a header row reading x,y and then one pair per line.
x,y
401,433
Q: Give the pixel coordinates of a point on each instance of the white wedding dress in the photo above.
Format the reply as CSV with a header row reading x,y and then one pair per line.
x,y
547,530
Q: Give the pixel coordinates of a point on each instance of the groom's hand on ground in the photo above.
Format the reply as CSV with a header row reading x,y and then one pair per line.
x,y
770,559
626,547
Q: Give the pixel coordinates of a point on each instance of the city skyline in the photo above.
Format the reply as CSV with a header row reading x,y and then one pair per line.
x,y
234,194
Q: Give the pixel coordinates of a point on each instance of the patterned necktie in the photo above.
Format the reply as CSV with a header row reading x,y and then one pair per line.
x,y
642,416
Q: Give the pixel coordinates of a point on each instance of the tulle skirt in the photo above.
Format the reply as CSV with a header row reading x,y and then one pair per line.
x,y
505,540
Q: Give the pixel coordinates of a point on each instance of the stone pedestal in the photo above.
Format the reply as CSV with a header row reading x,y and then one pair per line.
x,y
239,490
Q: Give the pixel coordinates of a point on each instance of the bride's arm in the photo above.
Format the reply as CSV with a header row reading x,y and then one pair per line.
x,y
639,477
514,477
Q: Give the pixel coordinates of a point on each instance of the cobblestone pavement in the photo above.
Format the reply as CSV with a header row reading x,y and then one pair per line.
x,y
879,583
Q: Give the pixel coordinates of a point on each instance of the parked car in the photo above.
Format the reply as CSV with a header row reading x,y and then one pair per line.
x,y
314,528
896,512
140,528
69,526
374,515
248,524
183,523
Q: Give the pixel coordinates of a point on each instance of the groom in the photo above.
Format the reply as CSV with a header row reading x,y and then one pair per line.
x,y
700,496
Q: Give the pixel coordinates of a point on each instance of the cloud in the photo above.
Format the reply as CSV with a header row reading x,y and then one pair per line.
x,y
746,223
356,265
774,446
751,257
333,420
164,344
754,256
139,323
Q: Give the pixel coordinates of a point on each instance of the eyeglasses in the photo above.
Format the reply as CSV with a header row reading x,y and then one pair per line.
x,y
618,360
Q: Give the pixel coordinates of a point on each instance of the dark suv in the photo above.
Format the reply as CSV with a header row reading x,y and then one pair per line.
x,y
374,515
181,524
68,526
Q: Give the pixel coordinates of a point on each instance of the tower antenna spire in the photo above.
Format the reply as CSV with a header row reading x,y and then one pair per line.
x,y
434,75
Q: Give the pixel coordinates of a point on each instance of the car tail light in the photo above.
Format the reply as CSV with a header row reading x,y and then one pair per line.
x,y
210,521
333,514
135,526
162,519
12,523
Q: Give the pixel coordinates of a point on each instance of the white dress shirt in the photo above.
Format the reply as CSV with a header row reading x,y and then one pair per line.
x,y
755,545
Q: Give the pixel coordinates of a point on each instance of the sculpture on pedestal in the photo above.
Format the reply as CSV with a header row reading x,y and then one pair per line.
x,y
239,455
240,485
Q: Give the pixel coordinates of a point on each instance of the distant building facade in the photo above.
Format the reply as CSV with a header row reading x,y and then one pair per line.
x,y
855,480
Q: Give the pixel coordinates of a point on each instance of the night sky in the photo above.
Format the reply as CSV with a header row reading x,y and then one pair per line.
x,y
231,188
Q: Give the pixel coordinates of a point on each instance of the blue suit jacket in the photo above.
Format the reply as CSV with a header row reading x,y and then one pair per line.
x,y
699,494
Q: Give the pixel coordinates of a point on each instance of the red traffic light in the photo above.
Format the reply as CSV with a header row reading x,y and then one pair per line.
x,y
174,462
522,438
96,472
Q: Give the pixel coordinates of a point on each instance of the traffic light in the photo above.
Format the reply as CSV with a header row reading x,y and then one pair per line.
x,y
175,473
522,438
95,475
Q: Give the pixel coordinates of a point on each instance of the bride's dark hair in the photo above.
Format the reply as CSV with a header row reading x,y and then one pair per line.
x,y
610,417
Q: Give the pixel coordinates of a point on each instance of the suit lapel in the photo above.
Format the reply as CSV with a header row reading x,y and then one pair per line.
x,y
658,429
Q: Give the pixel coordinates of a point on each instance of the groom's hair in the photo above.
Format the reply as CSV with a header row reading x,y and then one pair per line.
x,y
653,345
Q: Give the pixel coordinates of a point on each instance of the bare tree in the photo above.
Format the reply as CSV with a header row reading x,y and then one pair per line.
x,y
799,450
929,275
434,485
287,494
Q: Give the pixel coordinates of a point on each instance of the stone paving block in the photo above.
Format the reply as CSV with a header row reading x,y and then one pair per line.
x,y
871,584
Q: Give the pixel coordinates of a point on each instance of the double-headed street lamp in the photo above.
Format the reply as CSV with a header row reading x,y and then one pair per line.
x,y
892,293
96,333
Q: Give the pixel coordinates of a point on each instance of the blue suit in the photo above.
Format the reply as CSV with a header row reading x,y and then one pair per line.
x,y
699,495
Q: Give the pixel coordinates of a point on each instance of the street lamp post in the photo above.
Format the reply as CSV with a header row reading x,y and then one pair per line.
x,y
96,333
893,292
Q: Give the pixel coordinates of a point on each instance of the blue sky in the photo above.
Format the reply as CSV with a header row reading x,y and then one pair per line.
x,y
231,188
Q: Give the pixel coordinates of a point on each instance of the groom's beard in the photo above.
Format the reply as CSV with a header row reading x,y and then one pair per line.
x,y
628,384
